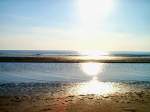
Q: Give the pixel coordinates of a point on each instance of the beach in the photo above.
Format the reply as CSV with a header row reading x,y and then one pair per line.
x,y
54,97
74,55
64,84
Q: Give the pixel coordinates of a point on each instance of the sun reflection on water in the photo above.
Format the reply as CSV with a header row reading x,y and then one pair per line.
x,y
92,69
95,87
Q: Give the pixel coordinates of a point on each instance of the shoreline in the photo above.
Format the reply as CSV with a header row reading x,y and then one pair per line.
x,y
55,99
75,59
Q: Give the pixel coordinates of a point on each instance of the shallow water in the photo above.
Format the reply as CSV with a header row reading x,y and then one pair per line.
x,y
39,72
56,89
72,78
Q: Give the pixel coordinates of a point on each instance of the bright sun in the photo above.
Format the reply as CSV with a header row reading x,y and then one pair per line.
x,y
91,69
94,10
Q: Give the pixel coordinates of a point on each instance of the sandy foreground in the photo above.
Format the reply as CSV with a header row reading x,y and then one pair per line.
x,y
56,100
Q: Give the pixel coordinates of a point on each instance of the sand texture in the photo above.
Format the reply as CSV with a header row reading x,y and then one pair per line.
x,y
55,100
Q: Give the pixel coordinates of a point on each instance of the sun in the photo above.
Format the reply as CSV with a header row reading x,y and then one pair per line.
x,y
93,10
91,69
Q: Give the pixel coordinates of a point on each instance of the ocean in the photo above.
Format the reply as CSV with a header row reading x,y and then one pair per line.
x,y
70,72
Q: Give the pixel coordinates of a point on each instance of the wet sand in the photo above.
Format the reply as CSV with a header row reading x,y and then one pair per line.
x,y
45,99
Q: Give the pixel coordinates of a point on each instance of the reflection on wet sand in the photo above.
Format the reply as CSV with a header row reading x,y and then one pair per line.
x,y
82,97
95,87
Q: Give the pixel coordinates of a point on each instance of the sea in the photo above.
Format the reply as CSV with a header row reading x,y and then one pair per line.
x,y
39,72
26,73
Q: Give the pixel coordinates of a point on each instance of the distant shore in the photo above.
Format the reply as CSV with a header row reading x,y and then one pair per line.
x,y
75,59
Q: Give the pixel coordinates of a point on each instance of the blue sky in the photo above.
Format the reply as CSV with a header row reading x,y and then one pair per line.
x,y
75,24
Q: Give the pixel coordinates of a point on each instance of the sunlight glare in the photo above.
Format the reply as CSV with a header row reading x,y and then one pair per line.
x,y
94,53
92,69
95,87
94,10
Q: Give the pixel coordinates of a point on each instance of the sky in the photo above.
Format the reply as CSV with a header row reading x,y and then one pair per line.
x,y
108,25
